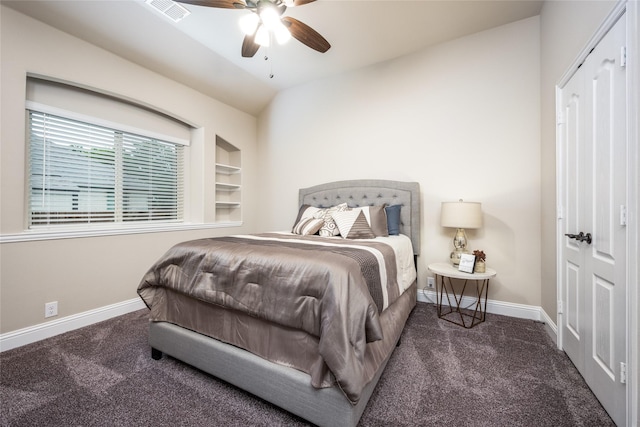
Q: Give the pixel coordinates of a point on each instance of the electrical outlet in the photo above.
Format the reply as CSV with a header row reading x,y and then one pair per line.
x,y
51,309
431,282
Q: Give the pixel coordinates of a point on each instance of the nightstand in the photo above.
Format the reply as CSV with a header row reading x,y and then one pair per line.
x,y
478,282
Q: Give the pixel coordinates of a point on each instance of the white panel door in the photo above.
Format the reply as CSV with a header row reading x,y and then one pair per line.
x,y
605,269
573,111
594,198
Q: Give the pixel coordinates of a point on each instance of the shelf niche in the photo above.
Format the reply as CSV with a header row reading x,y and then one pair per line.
x,y
228,182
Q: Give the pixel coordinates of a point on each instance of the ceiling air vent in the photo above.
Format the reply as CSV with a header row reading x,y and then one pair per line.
x,y
170,9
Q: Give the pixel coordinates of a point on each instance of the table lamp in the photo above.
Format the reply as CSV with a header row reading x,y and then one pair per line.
x,y
460,215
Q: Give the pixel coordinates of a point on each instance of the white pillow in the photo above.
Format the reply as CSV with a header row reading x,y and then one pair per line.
x,y
306,211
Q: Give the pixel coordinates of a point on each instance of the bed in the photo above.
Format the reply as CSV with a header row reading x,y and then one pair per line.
x,y
314,349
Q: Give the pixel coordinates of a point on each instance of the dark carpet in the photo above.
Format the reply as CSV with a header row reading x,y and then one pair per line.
x,y
504,372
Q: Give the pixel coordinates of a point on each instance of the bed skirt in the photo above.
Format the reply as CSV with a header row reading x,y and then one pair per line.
x,y
285,387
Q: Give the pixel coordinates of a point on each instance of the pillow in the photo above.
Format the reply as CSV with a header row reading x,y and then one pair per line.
x,y
329,227
308,226
353,224
376,218
305,211
393,219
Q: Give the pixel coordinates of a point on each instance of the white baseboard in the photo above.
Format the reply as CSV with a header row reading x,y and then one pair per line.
x,y
56,327
550,325
521,311
39,332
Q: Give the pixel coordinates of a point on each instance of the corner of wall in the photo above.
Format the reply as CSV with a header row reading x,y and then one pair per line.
x,y
549,325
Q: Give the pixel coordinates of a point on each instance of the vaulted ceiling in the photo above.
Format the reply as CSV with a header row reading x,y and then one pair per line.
x,y
203,49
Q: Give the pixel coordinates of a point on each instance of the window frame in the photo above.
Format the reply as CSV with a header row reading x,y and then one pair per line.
x,y
109,228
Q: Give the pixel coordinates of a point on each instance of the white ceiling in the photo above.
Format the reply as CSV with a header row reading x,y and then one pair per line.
x,y
203,50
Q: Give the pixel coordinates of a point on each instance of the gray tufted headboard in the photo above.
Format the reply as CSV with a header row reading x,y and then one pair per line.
x,y
371,192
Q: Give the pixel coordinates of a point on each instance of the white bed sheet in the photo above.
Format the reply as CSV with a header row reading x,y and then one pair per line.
x,y
403,249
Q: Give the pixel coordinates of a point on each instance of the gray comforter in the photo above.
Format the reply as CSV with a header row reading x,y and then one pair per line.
x,y
333,289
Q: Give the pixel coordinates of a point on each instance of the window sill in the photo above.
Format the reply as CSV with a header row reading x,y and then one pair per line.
x,y
36,235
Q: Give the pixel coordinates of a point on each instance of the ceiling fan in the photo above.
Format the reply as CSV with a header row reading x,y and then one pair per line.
x,y
267,19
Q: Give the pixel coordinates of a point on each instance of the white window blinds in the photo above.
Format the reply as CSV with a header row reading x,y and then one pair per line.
x,y
81,173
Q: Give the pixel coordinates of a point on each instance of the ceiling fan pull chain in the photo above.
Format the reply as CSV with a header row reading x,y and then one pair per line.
x,y
266,58
270,62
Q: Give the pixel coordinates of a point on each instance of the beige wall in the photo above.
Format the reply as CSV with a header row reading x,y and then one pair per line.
x,y
565,29
88,273
461,118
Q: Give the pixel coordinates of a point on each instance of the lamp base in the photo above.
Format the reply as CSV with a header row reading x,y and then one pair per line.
x,y
455,257
459,244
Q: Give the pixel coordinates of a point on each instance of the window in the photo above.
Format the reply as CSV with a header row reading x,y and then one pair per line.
x,y
82,173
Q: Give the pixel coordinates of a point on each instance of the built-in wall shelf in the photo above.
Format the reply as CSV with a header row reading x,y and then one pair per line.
x,y
228,181
223,186
227,169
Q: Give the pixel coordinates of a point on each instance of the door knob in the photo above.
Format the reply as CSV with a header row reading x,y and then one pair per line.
x,y
580,237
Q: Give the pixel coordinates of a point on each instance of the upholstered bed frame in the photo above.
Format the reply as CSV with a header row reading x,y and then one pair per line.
x,y
285,387
368,192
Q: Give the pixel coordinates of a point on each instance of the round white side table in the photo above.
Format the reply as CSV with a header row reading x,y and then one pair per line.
x,y
445,273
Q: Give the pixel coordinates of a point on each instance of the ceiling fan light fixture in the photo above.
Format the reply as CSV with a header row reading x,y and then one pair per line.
x,y
270,17
262,36
249,23
282,34
266,20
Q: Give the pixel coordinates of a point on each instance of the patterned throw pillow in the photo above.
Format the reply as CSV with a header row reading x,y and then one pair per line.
x,y
353,224
329,227
308,226
376,218
305,211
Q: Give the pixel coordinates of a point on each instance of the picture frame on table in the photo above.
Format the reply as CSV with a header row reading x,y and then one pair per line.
x,y
467,263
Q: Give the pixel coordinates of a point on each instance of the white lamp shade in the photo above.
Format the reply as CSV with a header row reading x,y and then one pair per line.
x,y
249,23
282,33
262,36
461,215
270,17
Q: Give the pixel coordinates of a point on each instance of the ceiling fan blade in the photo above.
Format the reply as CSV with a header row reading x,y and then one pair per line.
x,y
302,2
249,46
306,35
222,4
